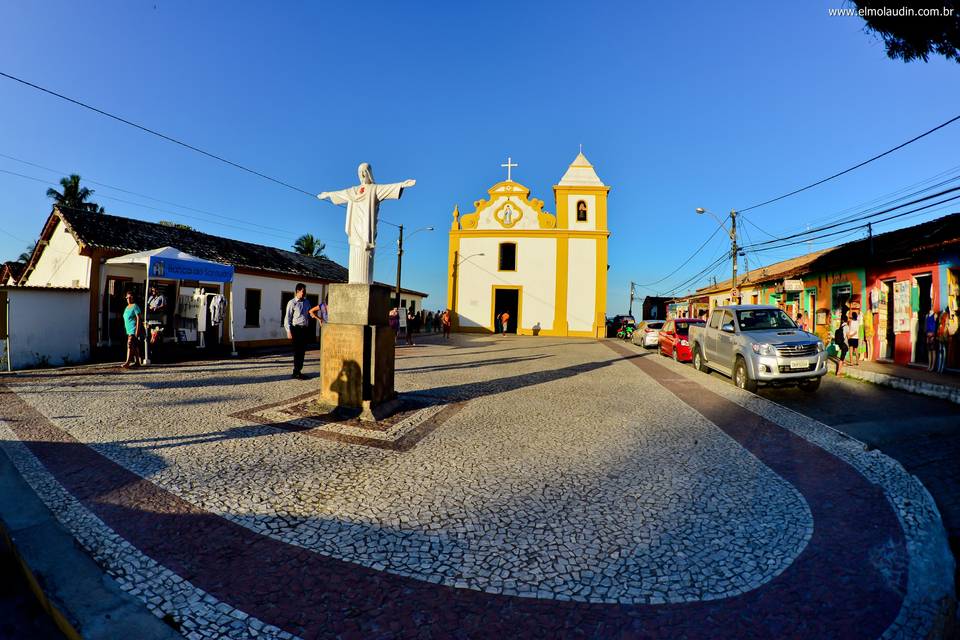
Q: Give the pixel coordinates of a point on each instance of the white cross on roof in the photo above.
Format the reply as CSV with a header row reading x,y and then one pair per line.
x,y
509,166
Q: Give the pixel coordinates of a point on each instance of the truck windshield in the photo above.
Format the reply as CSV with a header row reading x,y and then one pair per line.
x,y
764,320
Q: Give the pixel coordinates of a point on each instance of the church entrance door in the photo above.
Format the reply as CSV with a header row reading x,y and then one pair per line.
x,y
506,299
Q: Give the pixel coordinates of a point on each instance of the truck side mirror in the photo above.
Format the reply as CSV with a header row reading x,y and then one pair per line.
x,y
728,327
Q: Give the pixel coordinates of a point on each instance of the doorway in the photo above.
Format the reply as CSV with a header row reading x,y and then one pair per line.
x,y
888,333
923,308
506,300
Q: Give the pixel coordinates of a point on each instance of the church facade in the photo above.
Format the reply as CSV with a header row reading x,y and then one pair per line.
x,y
547,271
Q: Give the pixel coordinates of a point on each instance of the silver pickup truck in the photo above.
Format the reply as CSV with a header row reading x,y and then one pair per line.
x,y
758,344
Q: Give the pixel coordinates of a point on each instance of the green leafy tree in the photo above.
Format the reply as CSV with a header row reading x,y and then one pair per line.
x,y
307,245
914,37
73,195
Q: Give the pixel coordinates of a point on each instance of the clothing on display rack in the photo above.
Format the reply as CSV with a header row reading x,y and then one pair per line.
x,y
218,309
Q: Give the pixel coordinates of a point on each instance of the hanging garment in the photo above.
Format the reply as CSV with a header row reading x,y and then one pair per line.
x,y
218,309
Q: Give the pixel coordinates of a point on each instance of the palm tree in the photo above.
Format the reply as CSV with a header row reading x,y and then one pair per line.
x,y
25,256
307,245
74,196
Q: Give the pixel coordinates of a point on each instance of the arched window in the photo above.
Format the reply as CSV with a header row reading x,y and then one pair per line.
x,y
581,211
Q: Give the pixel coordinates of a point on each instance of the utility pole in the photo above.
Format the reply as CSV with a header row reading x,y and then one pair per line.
x,y
733,250
870,235
632,285
399,262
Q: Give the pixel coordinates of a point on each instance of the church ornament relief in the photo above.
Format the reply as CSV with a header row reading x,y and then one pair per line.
x,y
502,195
508,215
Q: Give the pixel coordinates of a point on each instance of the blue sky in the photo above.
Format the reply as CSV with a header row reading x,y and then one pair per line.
x,y
682,106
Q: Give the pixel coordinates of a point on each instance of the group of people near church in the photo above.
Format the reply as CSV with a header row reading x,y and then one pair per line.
x,y
405,322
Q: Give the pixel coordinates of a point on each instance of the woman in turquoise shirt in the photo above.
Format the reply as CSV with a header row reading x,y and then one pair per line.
x,y
132,322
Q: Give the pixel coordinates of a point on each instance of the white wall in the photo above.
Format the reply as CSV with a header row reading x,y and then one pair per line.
x,y
48,327
581,284
271,314
60,264
536,273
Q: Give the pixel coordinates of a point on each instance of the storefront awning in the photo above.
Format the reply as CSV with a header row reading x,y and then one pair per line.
x,y
169,262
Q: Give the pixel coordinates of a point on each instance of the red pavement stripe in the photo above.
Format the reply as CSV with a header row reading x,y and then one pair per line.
x,y
831,590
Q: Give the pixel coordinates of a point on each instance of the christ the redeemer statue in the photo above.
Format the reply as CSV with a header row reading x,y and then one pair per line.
x,y
363,203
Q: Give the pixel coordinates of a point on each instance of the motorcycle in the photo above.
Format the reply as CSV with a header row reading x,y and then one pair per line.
x,y
626,332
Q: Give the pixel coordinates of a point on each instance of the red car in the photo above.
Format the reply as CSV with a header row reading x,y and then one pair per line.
x,y
673,338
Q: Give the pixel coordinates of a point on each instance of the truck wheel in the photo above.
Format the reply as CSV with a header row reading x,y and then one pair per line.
x,y
698,362
742,378
810,385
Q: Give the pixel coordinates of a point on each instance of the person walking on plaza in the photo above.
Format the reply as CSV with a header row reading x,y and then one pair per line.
x,y
409,316
393,319
504,319
296,320
445,323
840,342
853,339
319,313
943,339
132,321
930,323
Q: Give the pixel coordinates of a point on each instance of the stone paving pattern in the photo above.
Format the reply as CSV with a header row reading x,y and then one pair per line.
x,y
558,491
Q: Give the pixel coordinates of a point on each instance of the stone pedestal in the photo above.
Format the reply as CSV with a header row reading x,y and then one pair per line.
x,y
357,352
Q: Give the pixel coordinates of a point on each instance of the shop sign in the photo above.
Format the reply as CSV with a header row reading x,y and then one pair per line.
x,y
793,285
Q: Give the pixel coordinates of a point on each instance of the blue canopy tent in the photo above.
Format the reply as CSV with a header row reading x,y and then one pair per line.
x,y
173,264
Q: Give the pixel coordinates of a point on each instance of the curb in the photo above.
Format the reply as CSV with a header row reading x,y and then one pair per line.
x,y
920,387
82,601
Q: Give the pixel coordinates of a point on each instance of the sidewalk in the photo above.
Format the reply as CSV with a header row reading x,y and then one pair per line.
x,y
945,386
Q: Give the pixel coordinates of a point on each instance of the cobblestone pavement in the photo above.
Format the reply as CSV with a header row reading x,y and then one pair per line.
x,y
530,487
923,434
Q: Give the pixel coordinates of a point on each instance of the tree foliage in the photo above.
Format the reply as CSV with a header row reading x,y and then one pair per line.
x,y
175,225
73,195
914,37
26,255
307,245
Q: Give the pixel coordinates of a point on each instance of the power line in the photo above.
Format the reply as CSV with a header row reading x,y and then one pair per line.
x,y
143,195
165,211
685,262
848,170
713,265
864,217
862,226
158,134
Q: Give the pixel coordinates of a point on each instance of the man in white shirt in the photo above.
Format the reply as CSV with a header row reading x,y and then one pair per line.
x,y
296,320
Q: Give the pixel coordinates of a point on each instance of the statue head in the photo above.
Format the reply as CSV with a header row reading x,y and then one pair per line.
x,y
365,172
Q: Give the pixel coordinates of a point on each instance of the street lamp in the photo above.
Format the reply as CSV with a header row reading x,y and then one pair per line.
x,y
457,261
400,255
733,244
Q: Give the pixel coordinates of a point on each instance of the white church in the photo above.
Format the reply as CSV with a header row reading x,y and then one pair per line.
x,y
547,271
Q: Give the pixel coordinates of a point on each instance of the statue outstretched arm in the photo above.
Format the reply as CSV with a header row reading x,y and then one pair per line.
x,y
336,197
406,184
